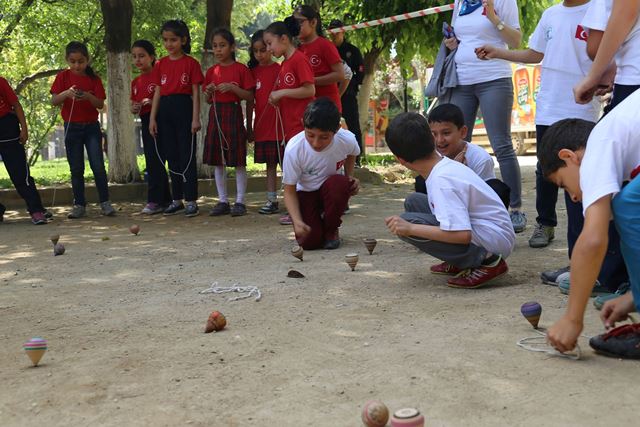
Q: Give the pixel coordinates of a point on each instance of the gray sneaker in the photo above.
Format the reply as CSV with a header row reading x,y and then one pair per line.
x,y
519,221
77,211
542,236
191,209
106,209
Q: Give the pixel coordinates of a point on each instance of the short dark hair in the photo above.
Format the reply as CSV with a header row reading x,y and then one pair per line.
x,y
571,134
408,137
322,114
447,113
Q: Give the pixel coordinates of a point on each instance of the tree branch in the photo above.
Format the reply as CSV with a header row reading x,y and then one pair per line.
x,y
22,10
35,76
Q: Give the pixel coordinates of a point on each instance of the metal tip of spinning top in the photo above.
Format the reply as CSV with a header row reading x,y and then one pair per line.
x,y
297,252
351,260
370,244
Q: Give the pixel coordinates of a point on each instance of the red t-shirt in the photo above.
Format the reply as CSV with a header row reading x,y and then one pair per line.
x,y
236,73
142,90
264,123
7,98
294,73
322,55
176,76
83,111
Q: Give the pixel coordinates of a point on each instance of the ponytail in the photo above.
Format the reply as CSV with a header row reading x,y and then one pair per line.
x,y
180,29
289,27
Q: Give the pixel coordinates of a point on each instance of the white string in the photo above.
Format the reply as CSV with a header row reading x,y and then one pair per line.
x,y
280,143
221,135
248,290
183,174
540,344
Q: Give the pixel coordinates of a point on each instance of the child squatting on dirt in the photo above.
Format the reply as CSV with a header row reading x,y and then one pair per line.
x,y
460,220
315,192
598,166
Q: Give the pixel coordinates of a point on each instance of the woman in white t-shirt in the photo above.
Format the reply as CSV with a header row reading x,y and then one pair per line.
x,y
488,84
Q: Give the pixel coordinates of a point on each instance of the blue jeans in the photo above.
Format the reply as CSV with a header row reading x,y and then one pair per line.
x,y
79,136
626,215
495,99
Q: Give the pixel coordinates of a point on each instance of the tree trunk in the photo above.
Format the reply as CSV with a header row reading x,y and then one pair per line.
x,y
117,15
370,64
218,15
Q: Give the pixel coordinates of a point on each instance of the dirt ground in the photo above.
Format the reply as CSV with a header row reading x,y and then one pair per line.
x,y
124,319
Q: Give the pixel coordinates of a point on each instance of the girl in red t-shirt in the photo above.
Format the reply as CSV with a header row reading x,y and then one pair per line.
x,y
142,90
175,115
226,84
13,135
323,55
267,149
80,93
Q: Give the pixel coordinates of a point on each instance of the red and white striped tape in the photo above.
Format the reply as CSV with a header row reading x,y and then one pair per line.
x,y
397,18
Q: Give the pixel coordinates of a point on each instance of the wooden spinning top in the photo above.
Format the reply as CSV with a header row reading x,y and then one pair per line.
x,y
297,252
352,260
375,414
407,417
54,239
531,311
35,349
370,244
58,249
215,322
134,229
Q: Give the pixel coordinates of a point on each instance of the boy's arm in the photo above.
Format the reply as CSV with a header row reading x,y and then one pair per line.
x,y
586,261
293,207
524,56
349,166
401,227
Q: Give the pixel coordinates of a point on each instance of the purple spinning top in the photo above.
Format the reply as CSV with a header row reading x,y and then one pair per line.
x,y
531,311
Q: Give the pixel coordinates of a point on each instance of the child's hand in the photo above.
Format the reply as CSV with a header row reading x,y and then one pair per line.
x,y
78,93
301,229
209,89
136,107
486,52
490,9
451,43
24,135
616,310
226,87
153,127
398,226
195,125
563,335
354,186
275,97
584,91
147,101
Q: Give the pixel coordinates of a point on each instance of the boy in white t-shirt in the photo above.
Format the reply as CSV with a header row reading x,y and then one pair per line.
x,y
599,165
460,220
560,43
315,192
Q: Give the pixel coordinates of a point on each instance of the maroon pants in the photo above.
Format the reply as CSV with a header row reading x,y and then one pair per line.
x,y
322,209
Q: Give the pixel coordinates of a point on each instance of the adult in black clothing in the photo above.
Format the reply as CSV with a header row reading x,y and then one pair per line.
x,y
353,57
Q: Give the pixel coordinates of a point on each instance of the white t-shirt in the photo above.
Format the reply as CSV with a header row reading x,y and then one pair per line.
x,y
479,161
563,41
307,168
628,55
475,30
613,152
461,200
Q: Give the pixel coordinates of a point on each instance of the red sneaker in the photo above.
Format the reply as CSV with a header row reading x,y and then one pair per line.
x,y
446,269
479,276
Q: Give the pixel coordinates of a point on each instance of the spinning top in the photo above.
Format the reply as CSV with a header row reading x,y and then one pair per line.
x,y
54,239
407,417
58,249
352,260
370,244
297,252
35,349
531,311
375,414
134,229
215,322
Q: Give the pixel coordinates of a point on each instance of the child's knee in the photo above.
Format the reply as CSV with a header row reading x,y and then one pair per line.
x,y
416,202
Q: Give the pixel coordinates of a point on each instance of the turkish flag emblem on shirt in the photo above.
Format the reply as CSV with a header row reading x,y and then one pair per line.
x,y
339,164
581,34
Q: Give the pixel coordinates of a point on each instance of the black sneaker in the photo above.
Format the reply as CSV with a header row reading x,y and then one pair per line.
x,y
221,208
622,342
550,277
48,214
238,209
191,210
173,208
269,208
2,211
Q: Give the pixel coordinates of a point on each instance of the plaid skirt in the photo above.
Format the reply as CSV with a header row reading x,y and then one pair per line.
x,y
267,152
226,141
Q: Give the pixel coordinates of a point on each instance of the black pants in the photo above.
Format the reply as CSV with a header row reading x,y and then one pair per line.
x,y
157,179
351,115
546,191
620,93
178,144
15,160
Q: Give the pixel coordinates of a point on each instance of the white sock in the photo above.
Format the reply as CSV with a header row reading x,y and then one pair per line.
x,y
220,174
241,183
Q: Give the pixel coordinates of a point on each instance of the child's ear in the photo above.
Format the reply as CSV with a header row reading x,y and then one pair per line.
x,y
463,132
567,156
